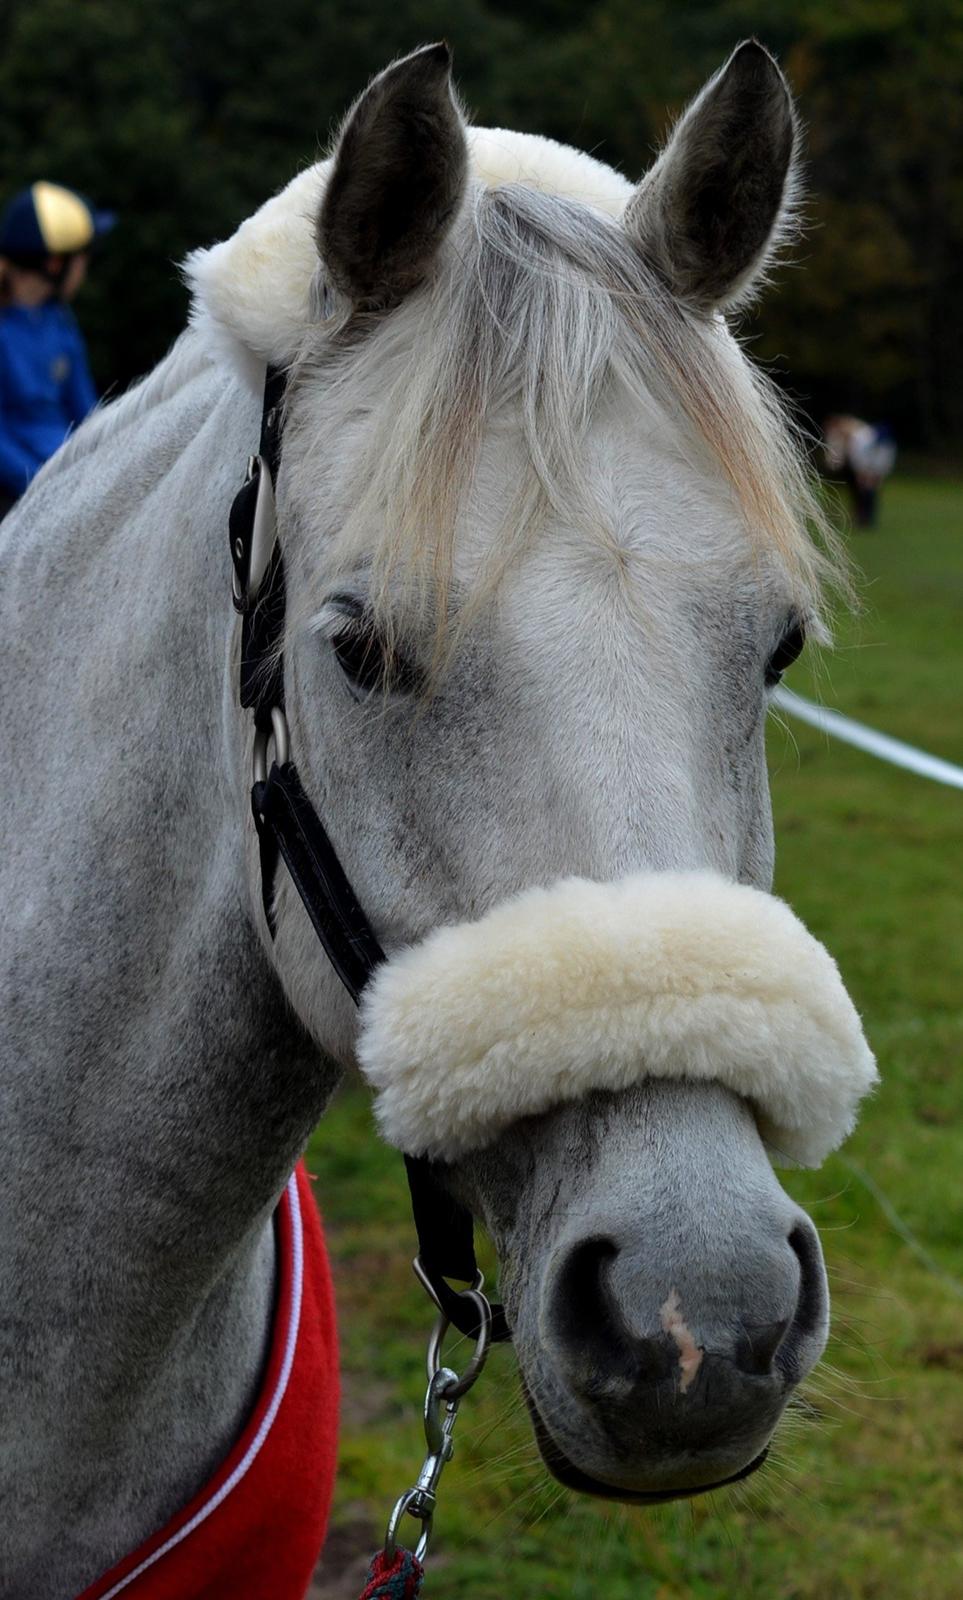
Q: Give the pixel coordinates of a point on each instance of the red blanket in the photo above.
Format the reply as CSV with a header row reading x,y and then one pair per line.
x,y
256,1529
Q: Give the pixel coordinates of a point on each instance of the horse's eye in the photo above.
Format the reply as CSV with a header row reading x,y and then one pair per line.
x,y
360,656
368,662
787,651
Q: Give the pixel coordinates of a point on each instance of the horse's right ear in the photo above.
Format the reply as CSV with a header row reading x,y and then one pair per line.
x,y
710,212
398,178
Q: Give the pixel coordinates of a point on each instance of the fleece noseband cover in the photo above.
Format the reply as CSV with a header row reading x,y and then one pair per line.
x,y
599,985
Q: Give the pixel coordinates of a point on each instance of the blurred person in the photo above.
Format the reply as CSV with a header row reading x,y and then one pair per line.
x,y
46,235
864,454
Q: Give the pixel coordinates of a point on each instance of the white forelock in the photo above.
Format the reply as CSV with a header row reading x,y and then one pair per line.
x,y
252,292
597,986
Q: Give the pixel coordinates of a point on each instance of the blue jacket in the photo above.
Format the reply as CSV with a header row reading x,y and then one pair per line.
x,y
45,388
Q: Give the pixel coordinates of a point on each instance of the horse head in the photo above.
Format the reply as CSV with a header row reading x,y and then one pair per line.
x,y
545,548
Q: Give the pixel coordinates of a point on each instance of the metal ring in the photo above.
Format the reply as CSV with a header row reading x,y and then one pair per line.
x,y
402,1505
460,1386
429,1288
278,731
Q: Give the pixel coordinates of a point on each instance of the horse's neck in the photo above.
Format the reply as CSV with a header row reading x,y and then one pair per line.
x,y
155,1090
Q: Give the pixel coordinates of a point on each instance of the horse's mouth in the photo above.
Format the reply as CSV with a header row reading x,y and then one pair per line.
x,y
573,1477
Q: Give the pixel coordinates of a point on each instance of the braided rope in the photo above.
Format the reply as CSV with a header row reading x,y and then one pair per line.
x,y
397,1579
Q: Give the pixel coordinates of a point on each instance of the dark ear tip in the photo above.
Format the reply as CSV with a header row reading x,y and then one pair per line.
x,y
435,56
426,71
753,50
752,60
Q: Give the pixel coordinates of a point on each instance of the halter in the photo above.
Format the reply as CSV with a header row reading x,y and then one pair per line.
x,y
289,829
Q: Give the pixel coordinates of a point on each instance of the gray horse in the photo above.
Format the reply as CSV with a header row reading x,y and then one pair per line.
x,y
544,537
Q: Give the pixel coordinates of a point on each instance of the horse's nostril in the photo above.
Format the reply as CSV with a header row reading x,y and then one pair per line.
x,y
778,1343
811,1303
597,1345
582,1309
794,1354
758,1345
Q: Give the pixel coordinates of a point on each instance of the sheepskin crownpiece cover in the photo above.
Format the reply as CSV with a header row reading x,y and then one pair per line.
x,y
252,293
599,985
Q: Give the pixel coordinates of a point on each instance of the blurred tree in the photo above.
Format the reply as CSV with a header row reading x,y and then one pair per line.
x,y
184,116
880,82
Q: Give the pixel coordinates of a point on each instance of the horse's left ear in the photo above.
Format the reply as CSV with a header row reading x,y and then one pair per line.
x,y
708,215
398,177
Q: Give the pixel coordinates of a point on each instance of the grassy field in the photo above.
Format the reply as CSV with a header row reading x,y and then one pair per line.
x,y
864,1496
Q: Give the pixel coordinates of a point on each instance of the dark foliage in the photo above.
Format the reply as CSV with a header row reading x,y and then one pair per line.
x,y
184,116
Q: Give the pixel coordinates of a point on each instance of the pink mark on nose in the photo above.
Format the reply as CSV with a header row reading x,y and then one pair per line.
x,y
690,1353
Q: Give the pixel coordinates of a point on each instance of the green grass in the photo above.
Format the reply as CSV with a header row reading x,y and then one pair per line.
x,y
864,1498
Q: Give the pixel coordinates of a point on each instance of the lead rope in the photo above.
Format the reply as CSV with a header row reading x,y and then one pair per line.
x,y
397,1573
398,1579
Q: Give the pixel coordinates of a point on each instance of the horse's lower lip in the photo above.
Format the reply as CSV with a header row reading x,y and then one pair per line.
x,y
573,1477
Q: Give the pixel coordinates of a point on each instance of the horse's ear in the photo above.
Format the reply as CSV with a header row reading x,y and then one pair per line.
x,y
397,180
710,212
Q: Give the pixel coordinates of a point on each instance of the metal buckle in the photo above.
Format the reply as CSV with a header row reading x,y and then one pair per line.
x,y
264,532
263,737
421,1273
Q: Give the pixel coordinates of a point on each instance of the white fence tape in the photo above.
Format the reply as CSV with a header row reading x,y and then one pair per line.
x,y
877,744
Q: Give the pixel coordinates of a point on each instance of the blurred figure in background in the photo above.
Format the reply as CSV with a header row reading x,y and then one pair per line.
x,y
863,454
46,235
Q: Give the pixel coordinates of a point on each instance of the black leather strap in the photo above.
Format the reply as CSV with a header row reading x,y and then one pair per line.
x,y
272,418
446,1248
241,517
290,829
283,812
262,631
262,624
